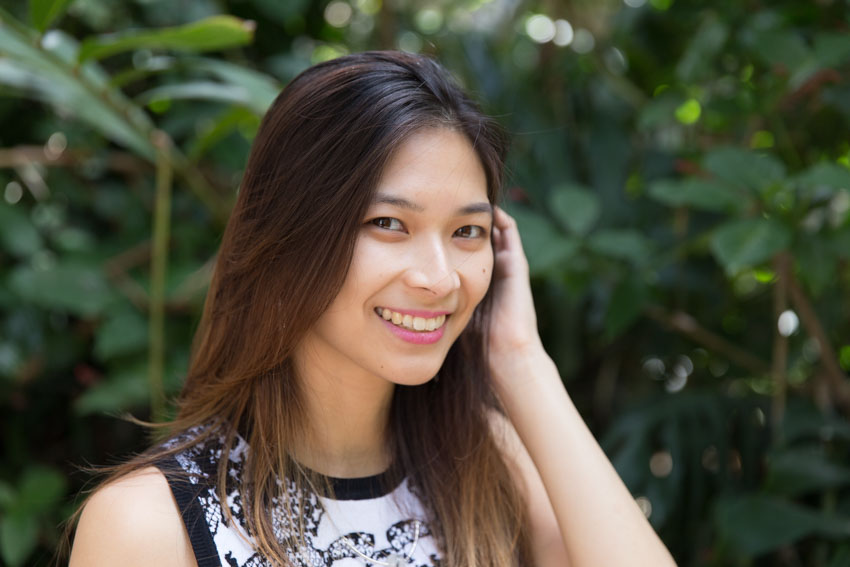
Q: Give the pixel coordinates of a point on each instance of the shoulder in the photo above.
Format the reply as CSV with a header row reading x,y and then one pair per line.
x,y
132,521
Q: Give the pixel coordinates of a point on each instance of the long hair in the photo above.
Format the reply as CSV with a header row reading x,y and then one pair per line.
x,y
316,161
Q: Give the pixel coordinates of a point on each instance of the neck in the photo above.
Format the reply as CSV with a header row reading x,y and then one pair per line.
x,y
347,418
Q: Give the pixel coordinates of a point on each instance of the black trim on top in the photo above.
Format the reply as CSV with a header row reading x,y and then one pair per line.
x,y
186,495
362,488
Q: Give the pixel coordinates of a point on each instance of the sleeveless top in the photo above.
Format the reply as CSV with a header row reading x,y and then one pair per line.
x,y
380,524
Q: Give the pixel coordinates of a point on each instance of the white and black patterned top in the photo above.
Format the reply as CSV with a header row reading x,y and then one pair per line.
x,y
379,523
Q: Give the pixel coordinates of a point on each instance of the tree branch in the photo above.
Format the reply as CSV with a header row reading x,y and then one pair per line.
x,y
685,324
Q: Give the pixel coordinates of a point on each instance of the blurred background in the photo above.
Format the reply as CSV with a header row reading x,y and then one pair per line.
x,y
680,170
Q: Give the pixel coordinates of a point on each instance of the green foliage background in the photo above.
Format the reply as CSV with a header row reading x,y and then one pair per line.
x,y
680,171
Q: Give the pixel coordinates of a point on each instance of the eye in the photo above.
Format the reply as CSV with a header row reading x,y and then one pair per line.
x,y
388,223
470,231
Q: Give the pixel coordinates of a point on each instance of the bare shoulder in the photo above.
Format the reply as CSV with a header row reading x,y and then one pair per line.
x,y
132,521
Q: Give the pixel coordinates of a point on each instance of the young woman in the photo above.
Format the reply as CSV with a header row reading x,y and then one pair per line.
x,y
367,384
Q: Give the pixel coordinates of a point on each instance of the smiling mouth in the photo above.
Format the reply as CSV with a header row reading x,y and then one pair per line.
x,y
410,322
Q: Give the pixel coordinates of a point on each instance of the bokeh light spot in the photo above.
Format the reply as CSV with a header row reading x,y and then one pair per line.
x,y
563,33
429,20
645,505
788,323
583,41
13,192
338,14
540,28
661,464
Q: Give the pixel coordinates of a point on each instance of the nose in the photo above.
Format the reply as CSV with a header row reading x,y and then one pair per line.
x,y
432,269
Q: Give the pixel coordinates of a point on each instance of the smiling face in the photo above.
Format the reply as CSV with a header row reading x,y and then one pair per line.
x,y
421,264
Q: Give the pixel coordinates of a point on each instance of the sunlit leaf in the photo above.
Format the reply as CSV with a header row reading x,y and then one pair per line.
x,y
757,524
745,243
576,207
45,12
705,194
215,32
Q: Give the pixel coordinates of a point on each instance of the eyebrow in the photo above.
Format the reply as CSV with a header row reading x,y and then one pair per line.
x,y
402,203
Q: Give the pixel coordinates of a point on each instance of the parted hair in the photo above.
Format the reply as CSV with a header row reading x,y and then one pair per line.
x,y
316,160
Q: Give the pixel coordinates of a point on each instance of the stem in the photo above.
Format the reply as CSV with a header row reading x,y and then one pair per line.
x,y
159,265
836,381
685,324
780,345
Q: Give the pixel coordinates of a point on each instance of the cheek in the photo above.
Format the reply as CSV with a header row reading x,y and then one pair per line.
x,y
477,273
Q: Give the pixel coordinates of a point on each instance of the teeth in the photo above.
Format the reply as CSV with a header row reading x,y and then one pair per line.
x,y
411,322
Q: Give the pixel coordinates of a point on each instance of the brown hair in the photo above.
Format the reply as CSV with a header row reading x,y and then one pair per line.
x,y
316,160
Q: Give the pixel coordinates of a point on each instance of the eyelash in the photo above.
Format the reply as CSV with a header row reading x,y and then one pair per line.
x,y
385,223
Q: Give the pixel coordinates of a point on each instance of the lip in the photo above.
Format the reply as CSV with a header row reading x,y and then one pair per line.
x,y
416,337
418,312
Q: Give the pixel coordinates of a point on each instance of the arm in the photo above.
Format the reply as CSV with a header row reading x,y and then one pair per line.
x,y
132,522
598,519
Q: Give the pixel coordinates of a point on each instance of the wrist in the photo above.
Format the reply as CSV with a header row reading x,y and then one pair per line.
x,y
521,369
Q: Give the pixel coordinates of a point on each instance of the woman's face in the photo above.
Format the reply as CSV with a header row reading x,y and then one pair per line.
x,y
421,264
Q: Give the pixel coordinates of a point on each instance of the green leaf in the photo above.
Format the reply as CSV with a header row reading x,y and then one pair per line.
x,y
799,471
7,495
18,538
817,261
823,178
50,75
263,89
757,524
121,391
832,49
544,246
745,243
626,304
76,289
740,167
215,32
124,332
697,60
785,49
577,208
198,90
45,12
705,194
623,244
40,489
17,233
